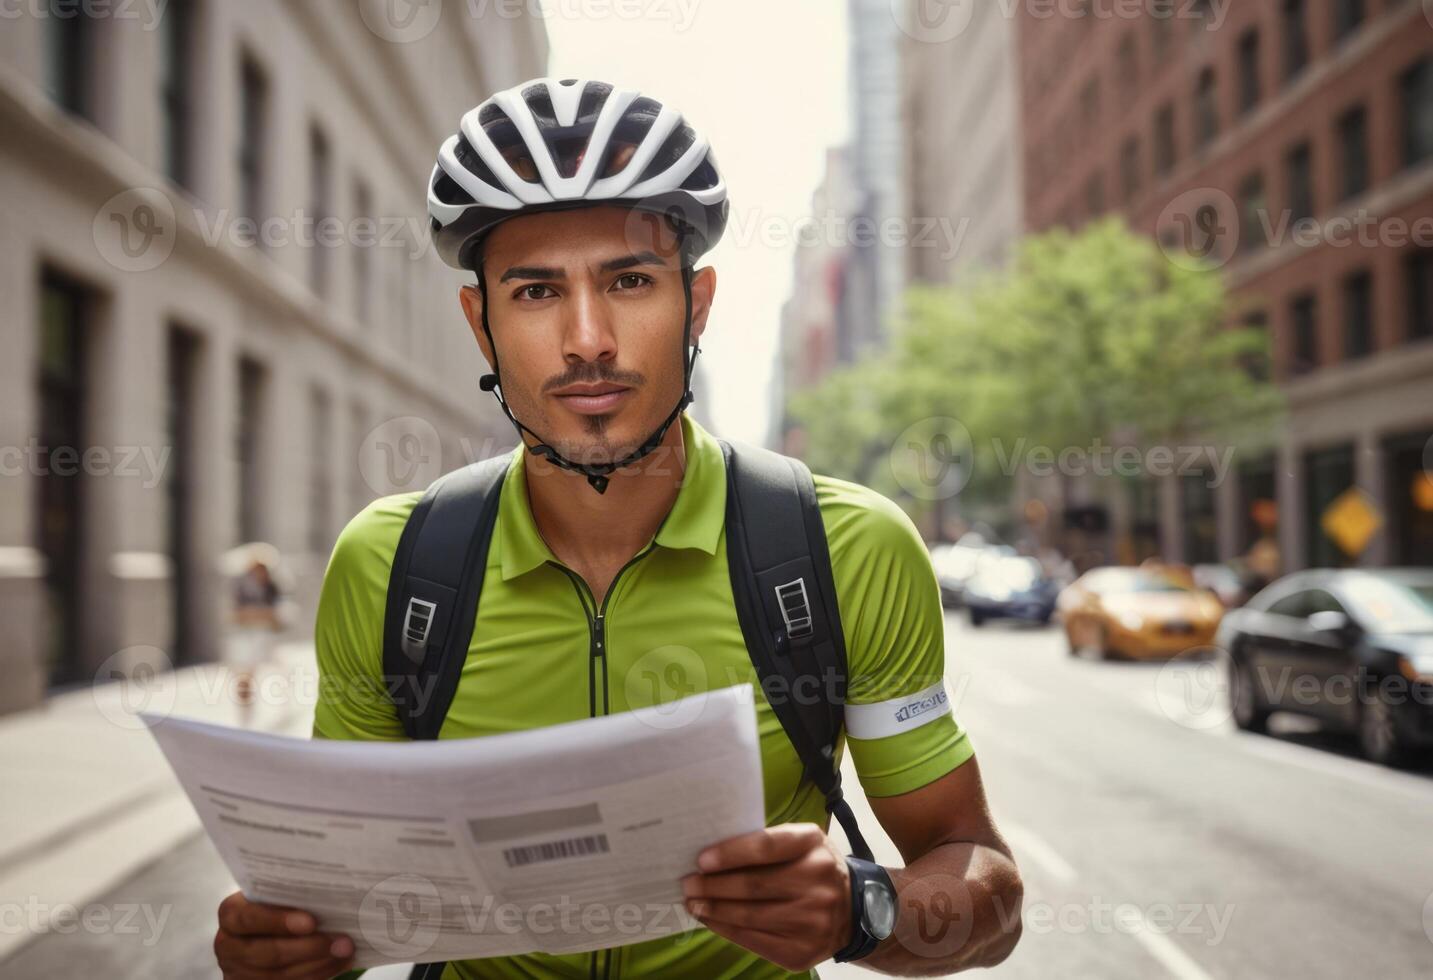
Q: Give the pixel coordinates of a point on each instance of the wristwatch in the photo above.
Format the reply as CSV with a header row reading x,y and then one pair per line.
x,y
873,908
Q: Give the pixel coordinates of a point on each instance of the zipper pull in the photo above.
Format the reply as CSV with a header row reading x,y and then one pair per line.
x,y
599,648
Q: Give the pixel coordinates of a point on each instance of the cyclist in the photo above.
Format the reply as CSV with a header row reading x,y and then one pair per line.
x,y
582,209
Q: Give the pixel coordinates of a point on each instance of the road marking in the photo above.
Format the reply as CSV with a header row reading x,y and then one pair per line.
x,y
1168,953
1038,850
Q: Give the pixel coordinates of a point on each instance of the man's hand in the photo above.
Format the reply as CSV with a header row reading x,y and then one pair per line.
x,y
784,893
269,941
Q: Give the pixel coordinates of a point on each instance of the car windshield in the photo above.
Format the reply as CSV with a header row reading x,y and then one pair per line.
x,y
1391,604
1114,581
1009,573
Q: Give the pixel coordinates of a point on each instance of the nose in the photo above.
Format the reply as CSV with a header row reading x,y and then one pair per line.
x,y
589,333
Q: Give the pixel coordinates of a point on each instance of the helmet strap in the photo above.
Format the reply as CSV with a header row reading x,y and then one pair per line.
x,y
597,473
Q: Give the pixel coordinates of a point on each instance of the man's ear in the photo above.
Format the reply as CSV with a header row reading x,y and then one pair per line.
x,y
703,290
471,297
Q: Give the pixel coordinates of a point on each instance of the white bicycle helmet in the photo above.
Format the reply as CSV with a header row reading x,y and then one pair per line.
x,y
548,145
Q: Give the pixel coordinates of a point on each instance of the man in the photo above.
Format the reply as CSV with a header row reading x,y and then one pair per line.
x,y
582,210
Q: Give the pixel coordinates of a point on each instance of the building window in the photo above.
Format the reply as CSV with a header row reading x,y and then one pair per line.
x,y
1197,503
248,449
319,179
1206,109
69,48
320,479
359,492
1303,320
1095,195
1090,102
1162,13
1353,151
1347,15
1358,315
1418,272
1296,38
1250,85
1164,148
1256,365
1253,213
364,238
1129,168
59,529
1128,60
1298,167
253,111
1327,475
1417,87
176,42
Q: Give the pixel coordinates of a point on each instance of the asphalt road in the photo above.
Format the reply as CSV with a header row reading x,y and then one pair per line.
x,y
1155,840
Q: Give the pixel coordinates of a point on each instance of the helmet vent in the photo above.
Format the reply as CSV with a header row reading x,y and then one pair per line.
x,y
676,144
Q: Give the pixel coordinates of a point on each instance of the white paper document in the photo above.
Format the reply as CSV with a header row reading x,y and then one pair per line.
x,y
561,839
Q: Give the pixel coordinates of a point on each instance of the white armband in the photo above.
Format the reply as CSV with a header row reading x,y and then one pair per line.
x,y
886,718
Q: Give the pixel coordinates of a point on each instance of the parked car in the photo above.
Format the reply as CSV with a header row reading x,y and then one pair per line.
x,y
1010,587
1141,612
1352,648
1223,581
955,563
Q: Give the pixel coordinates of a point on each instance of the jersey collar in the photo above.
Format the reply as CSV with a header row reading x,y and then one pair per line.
x,y
695,520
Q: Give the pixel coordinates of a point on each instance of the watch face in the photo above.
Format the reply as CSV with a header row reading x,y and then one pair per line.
x,y
880,909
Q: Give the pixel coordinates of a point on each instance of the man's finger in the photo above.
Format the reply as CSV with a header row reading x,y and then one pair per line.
x,y
770,883
241,917
268,954
774,845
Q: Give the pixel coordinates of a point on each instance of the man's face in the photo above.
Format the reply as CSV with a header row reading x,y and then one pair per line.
x,y
586,311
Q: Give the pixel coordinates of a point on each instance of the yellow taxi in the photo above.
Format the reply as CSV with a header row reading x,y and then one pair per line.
x,y
1152,611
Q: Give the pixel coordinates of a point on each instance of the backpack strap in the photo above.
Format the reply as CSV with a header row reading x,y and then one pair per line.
x,y
433,592
785,597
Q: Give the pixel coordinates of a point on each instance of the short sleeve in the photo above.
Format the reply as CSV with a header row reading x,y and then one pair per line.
x,y
900,728
348,629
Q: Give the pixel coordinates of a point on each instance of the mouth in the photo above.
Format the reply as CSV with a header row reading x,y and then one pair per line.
x,y
592,399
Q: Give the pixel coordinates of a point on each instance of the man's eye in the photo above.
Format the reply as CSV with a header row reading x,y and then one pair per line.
x,y
632,280
535,291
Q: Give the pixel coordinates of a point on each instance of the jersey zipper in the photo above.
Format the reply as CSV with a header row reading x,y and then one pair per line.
x,y
597,650
597,627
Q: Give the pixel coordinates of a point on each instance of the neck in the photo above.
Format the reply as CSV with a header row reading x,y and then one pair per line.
x,y
586,528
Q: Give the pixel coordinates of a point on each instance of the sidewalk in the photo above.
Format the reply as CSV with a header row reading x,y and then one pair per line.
x,y
88,799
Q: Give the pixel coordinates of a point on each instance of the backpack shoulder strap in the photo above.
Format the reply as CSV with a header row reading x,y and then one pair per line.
x,y
785,597
433,591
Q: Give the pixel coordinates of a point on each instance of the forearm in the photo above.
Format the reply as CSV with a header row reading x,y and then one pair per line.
x,y
960,907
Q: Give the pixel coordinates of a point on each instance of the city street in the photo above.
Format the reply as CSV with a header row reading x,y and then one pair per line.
x,y
1155,840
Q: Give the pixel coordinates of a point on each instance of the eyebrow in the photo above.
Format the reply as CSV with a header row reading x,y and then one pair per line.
x,y
548,273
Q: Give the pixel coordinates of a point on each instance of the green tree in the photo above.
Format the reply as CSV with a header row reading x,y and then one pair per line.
x,y
1095,336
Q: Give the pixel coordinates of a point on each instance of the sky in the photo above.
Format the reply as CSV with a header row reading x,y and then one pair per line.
x,y
766,84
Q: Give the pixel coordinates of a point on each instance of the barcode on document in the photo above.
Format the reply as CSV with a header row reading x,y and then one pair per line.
x,y
554,849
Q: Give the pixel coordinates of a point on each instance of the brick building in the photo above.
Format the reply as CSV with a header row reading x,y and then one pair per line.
x,y
1291,141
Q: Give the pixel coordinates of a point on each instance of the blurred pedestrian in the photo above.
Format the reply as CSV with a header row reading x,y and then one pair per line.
x,y
256,620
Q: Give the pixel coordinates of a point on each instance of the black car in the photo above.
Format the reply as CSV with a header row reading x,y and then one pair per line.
x,y
1352,648
1010,587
